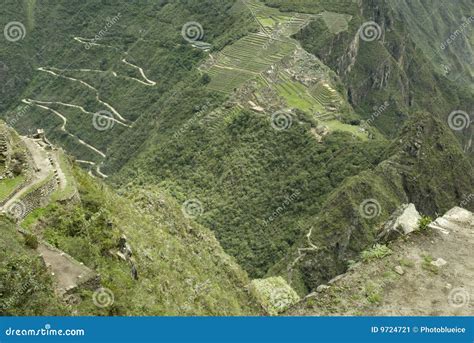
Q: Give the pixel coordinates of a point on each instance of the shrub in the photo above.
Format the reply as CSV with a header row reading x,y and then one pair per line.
x,y
423,222
31,241
378,251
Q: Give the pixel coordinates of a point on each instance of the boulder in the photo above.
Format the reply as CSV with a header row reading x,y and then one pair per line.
x,y
439,262
399,270
455,219
274,294
403,221
322,288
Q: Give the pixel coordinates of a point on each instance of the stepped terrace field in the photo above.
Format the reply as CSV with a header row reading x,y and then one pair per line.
x,y
256,52
244,59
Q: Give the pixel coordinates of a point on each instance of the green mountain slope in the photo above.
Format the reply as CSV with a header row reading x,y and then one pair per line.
x,y
26,286
413,172
142,247
266,124
182,270
383,57
118,63
253,179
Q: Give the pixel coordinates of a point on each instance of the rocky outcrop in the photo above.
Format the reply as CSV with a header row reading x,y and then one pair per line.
x,y
455,219
125,253
273,294
402,222
433,267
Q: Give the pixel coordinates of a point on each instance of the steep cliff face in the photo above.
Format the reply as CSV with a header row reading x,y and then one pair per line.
x,y
413,172
382,56
443,31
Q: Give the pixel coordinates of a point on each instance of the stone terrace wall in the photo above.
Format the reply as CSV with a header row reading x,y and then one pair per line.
x,y
38,198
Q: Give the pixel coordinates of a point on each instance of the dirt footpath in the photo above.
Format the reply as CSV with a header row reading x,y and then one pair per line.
x,y
41,170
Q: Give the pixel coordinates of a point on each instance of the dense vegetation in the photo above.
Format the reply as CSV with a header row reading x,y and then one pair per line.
x,y
26,286
182,270
189,133
244,171
413,172
394,68
147,34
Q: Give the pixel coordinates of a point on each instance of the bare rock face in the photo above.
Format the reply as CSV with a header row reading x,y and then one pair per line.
x,y
455,219
403,221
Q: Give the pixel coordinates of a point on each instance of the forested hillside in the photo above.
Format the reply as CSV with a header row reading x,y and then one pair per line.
x,y
97,253
208,131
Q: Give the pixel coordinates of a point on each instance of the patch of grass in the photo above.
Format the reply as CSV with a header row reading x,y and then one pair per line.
x,y
336,22
426,264
33,217
404,262
336,125
27,287
389,274
297,96
70,188
351,264
9,185
377,252
372,293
